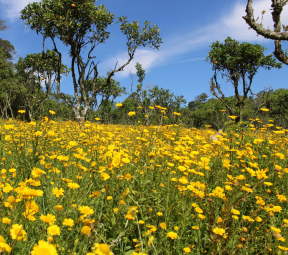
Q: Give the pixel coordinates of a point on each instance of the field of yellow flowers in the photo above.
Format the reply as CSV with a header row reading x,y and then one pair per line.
x,y
111,189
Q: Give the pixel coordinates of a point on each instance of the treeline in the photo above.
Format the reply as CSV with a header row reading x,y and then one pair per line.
x,y
30,88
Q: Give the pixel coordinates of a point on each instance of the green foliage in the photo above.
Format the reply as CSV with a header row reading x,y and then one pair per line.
x,y
238,60
80,23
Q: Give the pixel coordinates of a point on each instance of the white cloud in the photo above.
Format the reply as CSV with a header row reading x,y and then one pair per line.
x,y
231,24
14,7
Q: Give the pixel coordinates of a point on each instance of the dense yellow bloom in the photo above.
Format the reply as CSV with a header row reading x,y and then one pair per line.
x,y
4,247
218,192
86,210
17,232
54,230
6,220
283,248
138,164
49,218
187,250
36,172
105,176
277,230
163,225
44,248
58,192
72,185
219,231
234,211
103,249
131,113
172,235
85,230
281,198
68,222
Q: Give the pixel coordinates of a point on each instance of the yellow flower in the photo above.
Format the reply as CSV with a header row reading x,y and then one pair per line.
x,y
17,232
187,250
49,218
85,230
219,231
4,247
234,211
125,160
163,225
51,112
131,113
172,235
58,207
68,222
58,192
21,111
86,210
104,176
283,248
277,230
177,113
258,219
159,213
141,222
103,249
233,117
33,193
44,248
109,197
6,220
54,230
219,219
264,110
277,208
73,185
119,105
129,216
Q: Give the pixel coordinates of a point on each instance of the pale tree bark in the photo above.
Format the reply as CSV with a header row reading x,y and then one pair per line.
x,y
276,35
83,100
234,78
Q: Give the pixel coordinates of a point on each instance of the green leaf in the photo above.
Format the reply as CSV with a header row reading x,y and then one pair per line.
x,y
129,252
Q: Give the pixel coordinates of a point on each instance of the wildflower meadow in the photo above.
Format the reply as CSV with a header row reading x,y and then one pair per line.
x,y
121,189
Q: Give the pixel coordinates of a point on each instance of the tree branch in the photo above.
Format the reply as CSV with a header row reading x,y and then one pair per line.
x,y
267,33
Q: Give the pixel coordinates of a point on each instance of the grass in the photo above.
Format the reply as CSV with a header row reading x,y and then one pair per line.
x,y
141,190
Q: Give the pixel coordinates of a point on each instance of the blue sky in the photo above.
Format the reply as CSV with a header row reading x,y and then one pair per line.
x,y
188,28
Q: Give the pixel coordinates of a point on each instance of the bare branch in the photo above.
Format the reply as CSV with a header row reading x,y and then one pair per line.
x,y
277,35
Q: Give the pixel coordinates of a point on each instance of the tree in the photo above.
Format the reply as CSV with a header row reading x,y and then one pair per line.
x,y
32,71
8,49
238,61
277,35
73,25
7,85
2,26
6,45
107,95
